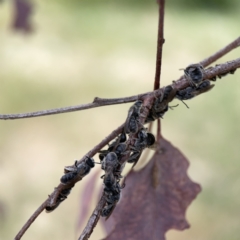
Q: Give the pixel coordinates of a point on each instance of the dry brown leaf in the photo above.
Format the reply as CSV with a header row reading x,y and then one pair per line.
x,y
155,198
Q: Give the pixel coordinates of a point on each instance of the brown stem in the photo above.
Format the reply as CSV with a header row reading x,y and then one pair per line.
x,y
92,222
220,53
30,220
207,61
160,43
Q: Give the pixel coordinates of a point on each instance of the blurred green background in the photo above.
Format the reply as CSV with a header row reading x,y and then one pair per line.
x,y
83,49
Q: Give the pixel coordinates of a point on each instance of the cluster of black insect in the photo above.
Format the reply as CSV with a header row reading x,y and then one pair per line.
x,y
110,162
111,179
194,73
70,173
160,105
144,140
111,158
141,138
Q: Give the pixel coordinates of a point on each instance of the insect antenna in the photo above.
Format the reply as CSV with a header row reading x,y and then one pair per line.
x,y
184,103
172,107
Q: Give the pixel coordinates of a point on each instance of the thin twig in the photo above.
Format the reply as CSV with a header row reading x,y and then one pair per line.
x,y
98,102
160,42
209,60
52,198
220,53
92,222
211,72
30,221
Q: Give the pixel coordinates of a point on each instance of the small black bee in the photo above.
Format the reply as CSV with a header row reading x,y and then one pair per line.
x,y
191,92
107,210
121,150
160,105
110,162
144,140
109,181
78,170
194,73
132,121
62,196
66,178
111,178
112,146
110,165
112,197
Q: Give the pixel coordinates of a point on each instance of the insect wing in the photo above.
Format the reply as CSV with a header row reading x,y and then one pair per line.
x,y
204,87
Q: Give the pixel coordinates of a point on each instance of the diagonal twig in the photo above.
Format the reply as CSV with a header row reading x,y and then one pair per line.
x,y
92,222
234,44
57,190
31,220
209,60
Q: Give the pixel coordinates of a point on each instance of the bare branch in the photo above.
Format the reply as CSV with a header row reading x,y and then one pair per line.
x,y
92,222
160,43
220,53
98,102
211,72
31,220
207,61
53,197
